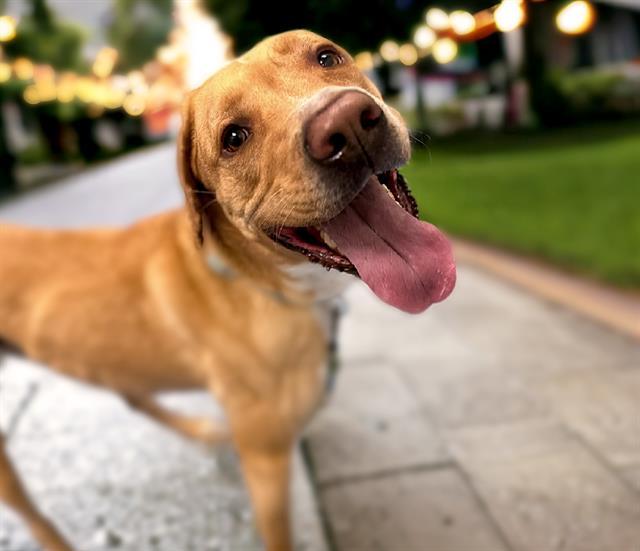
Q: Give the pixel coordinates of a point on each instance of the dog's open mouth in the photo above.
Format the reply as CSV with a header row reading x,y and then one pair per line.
x,y
378,237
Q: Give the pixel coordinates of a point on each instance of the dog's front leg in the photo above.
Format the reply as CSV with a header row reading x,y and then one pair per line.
x,y
265,453
267,475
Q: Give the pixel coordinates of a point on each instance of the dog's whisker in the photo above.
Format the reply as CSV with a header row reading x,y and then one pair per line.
x,y
414,136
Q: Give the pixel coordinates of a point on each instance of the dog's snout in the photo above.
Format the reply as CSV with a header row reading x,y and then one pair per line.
x,y
344,124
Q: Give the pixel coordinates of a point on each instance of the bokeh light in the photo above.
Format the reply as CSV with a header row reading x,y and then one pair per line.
x,y
576,18
390,51
424,37
105,62
31,95
23,68
445,50
462,22
509,15
134,105
437,19
408,54
5,72
7,28
364,61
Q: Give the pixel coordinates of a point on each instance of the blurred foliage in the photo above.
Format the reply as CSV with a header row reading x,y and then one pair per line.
x,y
567,98
354,24
138,29
569,196
43,38
594,94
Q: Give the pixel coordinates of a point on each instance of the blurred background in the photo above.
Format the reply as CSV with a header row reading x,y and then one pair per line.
x,y
520,104
505,419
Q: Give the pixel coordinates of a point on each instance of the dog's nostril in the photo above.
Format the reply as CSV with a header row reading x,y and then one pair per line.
x,y
370,117
338,143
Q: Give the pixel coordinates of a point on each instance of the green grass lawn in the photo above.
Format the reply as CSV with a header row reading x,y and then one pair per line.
x,y
571,197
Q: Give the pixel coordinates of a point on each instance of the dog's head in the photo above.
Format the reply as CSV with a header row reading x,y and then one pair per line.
x,y
295,145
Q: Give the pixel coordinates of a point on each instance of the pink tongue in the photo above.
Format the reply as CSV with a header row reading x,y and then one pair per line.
x,y
407,263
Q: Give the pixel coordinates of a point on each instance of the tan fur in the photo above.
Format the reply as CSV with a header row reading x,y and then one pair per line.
x,y
138,310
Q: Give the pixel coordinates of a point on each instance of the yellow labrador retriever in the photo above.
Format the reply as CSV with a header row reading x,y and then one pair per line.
x,y
288,160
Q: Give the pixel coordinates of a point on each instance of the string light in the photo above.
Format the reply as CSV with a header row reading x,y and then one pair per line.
x,y
437,19
5,72
23,68
445,50
31,95
7,28
364,61
390,51
462,22
105,62
509,15
576,18
408,54
134,105
424,37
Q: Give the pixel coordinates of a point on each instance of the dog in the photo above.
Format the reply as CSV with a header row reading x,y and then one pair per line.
x,y
288,157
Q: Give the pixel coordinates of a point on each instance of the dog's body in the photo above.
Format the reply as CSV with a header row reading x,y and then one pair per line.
x,y
211,296
257,343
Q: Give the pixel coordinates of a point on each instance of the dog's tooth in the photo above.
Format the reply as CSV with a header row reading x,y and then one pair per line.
x,y
328,240
390,194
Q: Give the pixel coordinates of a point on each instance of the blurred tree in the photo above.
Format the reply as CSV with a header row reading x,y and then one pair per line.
x,y
547,100
355,24
7,158
138,28
43,38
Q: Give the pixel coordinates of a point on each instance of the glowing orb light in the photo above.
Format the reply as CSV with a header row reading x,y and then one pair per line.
x,y
509,15
424,37
445,50
576,18
437,19
462,22
390,51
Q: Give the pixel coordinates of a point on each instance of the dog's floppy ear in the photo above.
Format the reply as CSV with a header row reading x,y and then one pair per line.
x,y
195,192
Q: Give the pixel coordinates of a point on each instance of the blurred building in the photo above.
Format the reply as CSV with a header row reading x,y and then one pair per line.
x,y
615,38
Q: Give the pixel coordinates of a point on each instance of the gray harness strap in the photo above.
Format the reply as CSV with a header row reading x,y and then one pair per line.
x,y
338,308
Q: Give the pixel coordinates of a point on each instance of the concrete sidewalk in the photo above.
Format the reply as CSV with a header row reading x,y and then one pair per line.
x,y
493,422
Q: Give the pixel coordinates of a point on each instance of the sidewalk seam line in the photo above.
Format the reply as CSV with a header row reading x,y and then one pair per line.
x,y
386,473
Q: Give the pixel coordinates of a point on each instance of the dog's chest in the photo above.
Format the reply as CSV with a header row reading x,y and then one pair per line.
x,y
326,286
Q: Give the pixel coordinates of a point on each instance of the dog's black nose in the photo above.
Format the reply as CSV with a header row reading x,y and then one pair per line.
x,y
344,124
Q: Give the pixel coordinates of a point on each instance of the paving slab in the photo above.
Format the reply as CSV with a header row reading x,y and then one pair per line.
x,y
371,425
603,406
632,475
546,491
410,511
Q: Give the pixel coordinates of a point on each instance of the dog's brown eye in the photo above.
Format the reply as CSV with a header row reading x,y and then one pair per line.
x,y
233,137
329,58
